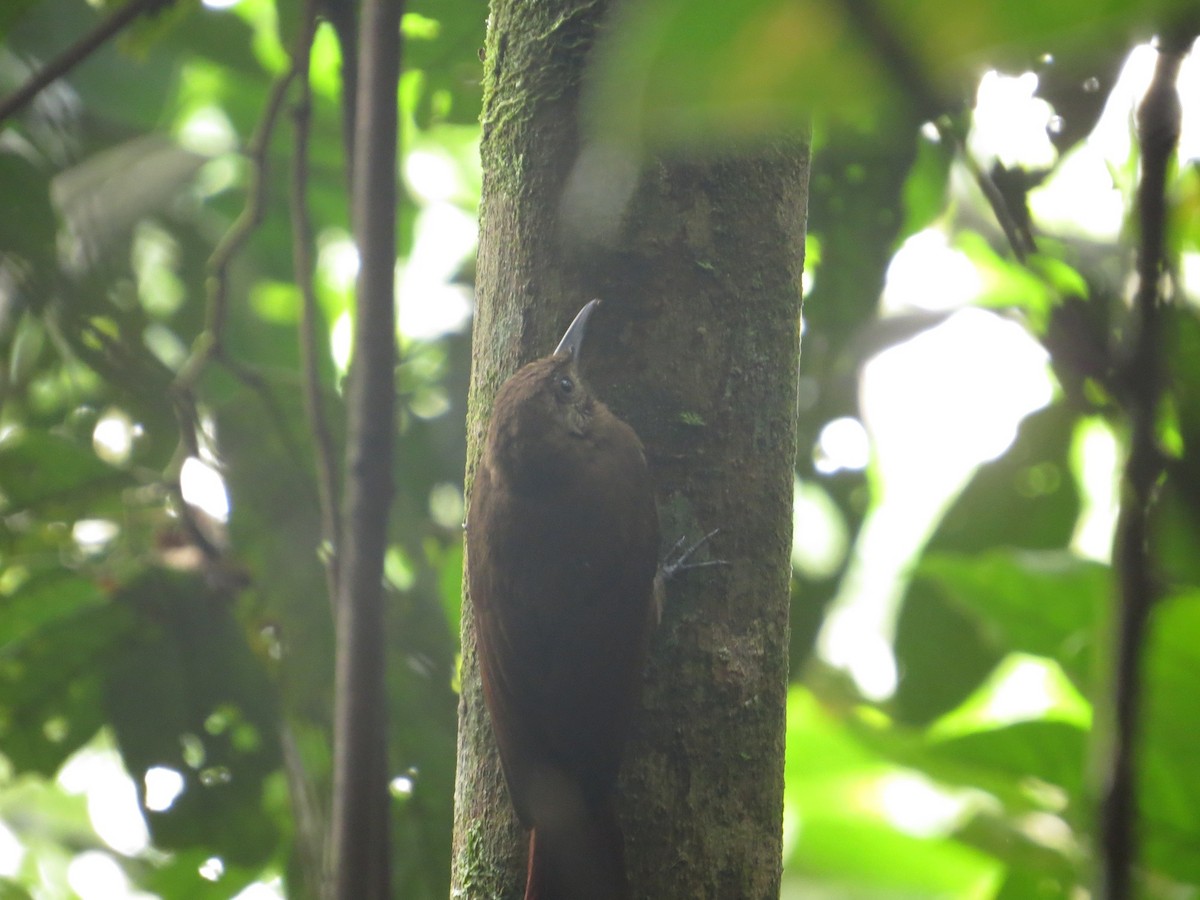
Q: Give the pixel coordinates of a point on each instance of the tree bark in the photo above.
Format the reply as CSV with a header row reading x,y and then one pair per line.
x,y
697,347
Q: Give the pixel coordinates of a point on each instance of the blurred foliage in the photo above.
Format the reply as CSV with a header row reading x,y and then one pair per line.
x,y
705,73
197,643
200,644
935,790
948,787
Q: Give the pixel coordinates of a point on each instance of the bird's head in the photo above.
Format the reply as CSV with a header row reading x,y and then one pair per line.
x,y
545,413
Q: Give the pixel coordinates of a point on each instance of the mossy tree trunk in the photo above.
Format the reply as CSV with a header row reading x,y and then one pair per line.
x,y
697,347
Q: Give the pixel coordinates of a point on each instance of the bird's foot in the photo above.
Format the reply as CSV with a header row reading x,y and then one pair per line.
x,y
679,559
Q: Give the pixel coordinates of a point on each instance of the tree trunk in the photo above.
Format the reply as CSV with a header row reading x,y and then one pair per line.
x,y
697,347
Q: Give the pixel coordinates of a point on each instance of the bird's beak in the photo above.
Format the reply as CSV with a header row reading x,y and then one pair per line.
x,y
573,339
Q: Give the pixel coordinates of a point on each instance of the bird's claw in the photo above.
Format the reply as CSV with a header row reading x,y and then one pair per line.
x,y
677,560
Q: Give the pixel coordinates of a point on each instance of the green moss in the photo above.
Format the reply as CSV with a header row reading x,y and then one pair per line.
x,y
479,868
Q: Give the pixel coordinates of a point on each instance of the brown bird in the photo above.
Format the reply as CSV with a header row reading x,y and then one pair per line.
x,y
562,543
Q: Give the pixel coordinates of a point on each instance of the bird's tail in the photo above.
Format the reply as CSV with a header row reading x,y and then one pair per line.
x,y
578,857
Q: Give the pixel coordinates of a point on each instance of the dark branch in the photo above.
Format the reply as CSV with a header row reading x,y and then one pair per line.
x,y
77,53
886,46
311,820
310,314
1019,238
929,105
209,344
360,794
1158,123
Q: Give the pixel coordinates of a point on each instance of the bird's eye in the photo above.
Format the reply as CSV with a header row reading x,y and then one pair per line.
x,y
566,385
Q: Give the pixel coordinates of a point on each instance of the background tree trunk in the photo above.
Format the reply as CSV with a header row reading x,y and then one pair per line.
x,y
697,348
361,800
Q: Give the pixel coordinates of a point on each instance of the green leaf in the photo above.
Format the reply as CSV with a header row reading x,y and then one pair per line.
x,y
447,55
925,187
53,474
1168,776
190,695
1008,284
835,795
179,877
976,759
1175,518
11,13
1047,604
1184,228
1052,752
943,654
111,84
43,600
50,686
450,581
12,890
1032,861
1182,330
30,228
1026,498
1025,885
705,72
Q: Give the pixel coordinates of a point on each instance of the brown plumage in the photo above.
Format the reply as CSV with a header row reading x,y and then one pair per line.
x,y
562,542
